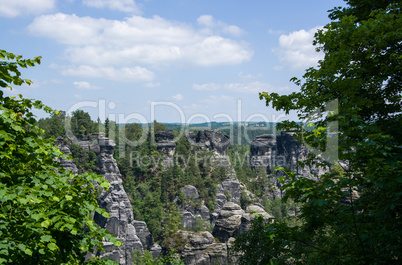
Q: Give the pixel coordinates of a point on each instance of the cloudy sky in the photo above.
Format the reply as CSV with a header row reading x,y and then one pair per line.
x,y
169,60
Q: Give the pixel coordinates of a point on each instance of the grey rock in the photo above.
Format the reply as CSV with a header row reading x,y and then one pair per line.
x,y
212,140
251,212
200,248
116,202
156,250
188,219
143,234
190,192
233,188
269,151
65,163
229,222
189,213
165,142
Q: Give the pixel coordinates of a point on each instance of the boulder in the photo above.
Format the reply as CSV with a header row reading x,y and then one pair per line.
x,y
199,248
190,192
251,212
229,222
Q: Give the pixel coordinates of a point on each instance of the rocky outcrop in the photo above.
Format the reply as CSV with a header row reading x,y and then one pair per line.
x,y
269,151
262,152
143,234
197,209
229,222
121,222
200,248
251,212
133,234
212,140
233,220
65,163
232,187
165,142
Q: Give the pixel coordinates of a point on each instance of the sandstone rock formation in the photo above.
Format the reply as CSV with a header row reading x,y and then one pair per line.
x,y
189,213
67,164
116,202
229,222
200,248
251,212
269,151
165,142
233,220
212,140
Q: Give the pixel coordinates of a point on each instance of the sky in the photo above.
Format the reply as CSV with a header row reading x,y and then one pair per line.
x,y
174,61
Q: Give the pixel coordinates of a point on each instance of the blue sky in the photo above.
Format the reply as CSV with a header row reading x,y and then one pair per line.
x,y
173,61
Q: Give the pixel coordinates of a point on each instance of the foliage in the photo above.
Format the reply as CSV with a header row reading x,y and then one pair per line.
x,y
45,213
84,160
54,125
255,243
153,186
352,215
81,124
146,258
256,181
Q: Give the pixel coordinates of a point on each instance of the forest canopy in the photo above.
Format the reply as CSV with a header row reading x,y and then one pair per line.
x,y
351,214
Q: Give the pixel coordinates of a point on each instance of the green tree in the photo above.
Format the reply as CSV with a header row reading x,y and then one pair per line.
x,y
107,127
139,258
46,212
350,216
54,125
81,124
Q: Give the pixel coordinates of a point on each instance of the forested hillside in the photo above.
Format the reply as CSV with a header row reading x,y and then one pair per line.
x,y
153,181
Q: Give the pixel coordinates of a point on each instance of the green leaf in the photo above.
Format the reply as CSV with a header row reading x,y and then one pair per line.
x,y
105,214
105,184
45,223
28,252
52,246
46,238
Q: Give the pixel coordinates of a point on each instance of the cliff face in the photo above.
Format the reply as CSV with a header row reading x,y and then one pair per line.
x,y
116,202
268,151
67,164
133,234
165,142
212,140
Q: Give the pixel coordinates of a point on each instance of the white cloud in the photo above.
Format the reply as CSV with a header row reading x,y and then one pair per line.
x,y
84,85
178,97
249,87
249,76
214,100
206,87
151,85
128,6
212,24
110,73
137,40
246,87
296,50
14,8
